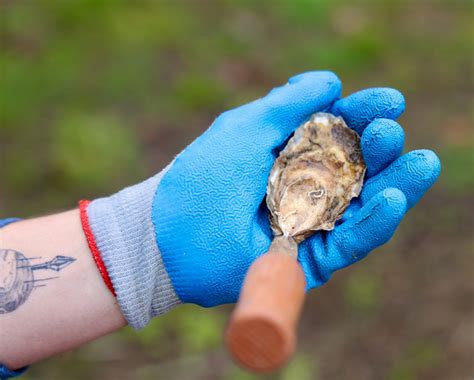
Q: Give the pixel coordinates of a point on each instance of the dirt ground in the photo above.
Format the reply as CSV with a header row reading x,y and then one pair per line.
x,y
143,80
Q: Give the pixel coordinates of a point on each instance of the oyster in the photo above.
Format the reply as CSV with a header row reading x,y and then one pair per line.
x,y
315,177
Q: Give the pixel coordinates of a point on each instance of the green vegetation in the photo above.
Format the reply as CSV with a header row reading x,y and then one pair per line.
x,y
456,159
418,357
362,292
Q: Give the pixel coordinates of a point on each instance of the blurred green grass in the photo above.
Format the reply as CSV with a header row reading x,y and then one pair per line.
x,y
96,95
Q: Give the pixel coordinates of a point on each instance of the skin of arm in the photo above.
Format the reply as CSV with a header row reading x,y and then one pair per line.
x,y
53,307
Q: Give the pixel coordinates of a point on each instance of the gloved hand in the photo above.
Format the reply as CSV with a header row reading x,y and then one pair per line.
x,y
208,212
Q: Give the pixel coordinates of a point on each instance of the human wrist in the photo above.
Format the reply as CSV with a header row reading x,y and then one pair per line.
x,y
68,296
124,234
4,371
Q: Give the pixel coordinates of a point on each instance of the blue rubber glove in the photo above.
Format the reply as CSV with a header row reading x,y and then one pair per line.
x,y
209,211
189,233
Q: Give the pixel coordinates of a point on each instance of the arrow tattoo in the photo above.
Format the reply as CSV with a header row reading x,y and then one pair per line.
x,y
17,279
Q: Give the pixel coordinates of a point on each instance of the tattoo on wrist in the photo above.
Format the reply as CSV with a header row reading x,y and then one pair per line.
x,y
19,277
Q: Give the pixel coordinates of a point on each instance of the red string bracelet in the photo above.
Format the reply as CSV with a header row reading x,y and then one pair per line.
x,y
93,246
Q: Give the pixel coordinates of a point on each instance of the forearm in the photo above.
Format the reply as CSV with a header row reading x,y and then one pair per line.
x,y
47,309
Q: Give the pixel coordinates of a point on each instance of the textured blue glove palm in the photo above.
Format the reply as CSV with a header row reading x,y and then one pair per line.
x,y
209,211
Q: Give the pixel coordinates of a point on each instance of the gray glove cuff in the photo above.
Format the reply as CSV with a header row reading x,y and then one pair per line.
x,y
125,236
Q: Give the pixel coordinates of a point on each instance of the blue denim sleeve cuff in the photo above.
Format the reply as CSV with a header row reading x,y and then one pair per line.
x,y
4,222
5,373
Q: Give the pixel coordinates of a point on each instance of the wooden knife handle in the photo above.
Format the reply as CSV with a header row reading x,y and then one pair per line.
x,y
261,334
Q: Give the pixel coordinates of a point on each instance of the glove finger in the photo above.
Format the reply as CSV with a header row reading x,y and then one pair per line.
x,y
286,107
382,143
372,226
362,107
413,173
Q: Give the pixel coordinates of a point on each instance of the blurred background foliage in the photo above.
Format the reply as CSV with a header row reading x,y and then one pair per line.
x,y
96,95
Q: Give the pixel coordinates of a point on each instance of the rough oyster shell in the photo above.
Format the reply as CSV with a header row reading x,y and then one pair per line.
x,y
315,177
